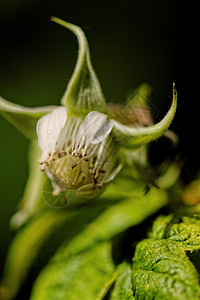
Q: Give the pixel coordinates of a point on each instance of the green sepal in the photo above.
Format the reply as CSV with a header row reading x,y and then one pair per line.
x,y
133,137
65,199
23,118
83,93
32,199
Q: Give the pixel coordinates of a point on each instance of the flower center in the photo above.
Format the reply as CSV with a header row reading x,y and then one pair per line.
x,y
72,169
74,162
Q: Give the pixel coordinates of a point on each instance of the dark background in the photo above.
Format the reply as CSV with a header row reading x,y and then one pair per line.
x,y
131,42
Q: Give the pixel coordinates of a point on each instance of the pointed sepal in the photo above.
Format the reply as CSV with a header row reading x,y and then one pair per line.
x,y
83,93
23,118
133,137
32,199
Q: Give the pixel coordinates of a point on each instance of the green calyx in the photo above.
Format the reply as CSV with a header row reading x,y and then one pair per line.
x,y
134,137
83,93
23,118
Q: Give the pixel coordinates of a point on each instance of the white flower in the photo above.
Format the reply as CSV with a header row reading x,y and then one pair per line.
x,y
80,144
81,147
76,152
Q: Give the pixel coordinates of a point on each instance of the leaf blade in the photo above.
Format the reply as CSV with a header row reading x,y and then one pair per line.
x,y
161,270
82,276
185,231
114,220
123,287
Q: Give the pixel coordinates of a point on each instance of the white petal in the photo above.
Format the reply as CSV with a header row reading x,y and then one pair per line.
x,y
49,127
96,127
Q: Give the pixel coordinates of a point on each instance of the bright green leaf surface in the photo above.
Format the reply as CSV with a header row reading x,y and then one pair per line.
x,y
123,286
185,231
161,270
82,276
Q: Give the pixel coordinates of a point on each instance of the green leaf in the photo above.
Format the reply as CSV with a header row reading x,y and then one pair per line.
x,y
93,226
114,220
162,270
133,137
82,276
28,241
185,231
23,118
123,286
26,246
83,93
86,226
